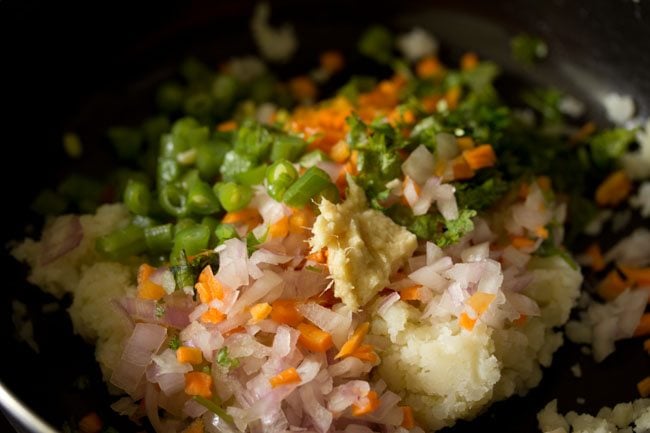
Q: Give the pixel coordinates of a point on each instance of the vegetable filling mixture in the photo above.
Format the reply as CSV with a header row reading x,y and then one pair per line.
x,y
388,259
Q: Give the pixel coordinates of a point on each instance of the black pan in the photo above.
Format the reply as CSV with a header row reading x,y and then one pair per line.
x,y
84,66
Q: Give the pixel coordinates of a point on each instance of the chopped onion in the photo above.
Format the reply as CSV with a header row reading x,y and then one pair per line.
x,y
193,409
63,236
233,264
349,367
166,363
515,257
492,277
466,273
426,197
426,277
125,406
523,304
336,324
249,295
171,383
434,252
143,343
410,192
446,146
176,313
331,168
476,253
270,210
198,312
321,418
344,396
387,302
265,256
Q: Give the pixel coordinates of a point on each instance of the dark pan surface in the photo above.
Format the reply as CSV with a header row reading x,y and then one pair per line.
x,y
84,66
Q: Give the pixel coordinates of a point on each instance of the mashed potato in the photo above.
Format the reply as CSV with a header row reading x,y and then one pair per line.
x,y
446,373
92,283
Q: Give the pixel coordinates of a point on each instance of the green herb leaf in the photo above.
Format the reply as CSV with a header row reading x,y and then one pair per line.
x,y
174,342
224,360
609,145
377,43
527,49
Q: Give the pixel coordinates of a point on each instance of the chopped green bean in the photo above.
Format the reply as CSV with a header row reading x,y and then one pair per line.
x,y
122,243
191,240
254,176
234,197
201,199
159,239
173,200
225,232
279,177
287,147
309,185
137,197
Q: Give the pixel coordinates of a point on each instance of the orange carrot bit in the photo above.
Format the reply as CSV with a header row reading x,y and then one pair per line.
x,y
366,352
229,125
369,407
408,421
250,217
90,423
541,232
639,276
300,220
319,256
480,157
340,152
285,377
188,354
461,169
430,103
452,96
213,316
522,242
279,229
644,387
428,67
614,189
594,253
521,320
354,341
583,133
646,345
303,88
469,61
147,289
480,301
643,328
208,287
465,143
195,427
466,322
332,61
411,293
313,338
284,311
259,312
198,383
612,286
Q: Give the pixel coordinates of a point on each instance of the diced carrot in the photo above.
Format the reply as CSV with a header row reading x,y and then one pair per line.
x,y
541,232
303,88
313,338
638,276
340,152
411,293
319,256
521,242
188,354
544,183
643,328
430,103
260,311
521,320
195,427
213,316
461,169
466,322
284,311
469,61
354,341
465,143
332,61
480,301
452,96
90,423
300,220
370,407
611,286
480,157
229,125
614,189
279,229
147,289
408,421
366,352
285,377
584,132
644,387
208,287
596,256
646,345
198,383
250,217
354,158
428,67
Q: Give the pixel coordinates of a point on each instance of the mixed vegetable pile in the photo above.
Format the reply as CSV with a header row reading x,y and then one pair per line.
x,y
237,321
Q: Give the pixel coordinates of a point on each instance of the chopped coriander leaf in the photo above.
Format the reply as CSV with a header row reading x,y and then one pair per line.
x,y
527,49
174,342
609,145
480,196
433,227
377,44
224,360
159,309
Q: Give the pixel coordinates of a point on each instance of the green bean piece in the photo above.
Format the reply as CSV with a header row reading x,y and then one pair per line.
x,y
201,200
279,177
209,158
183,273
143,221
225,232
183,223
211,223
191,240
173,200
122,243
234,197
254,176
287,147
137,197
159,239
310,184
310,159
170,97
